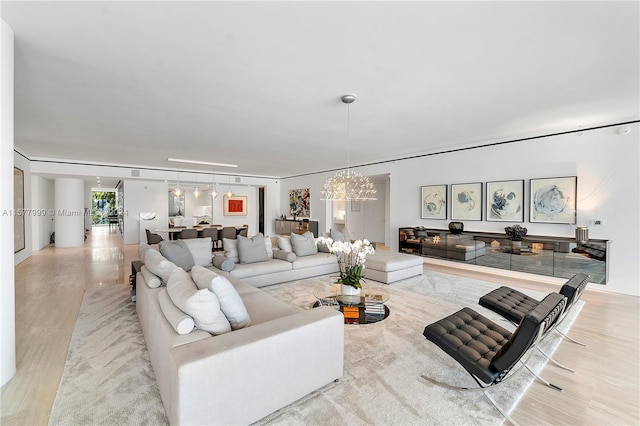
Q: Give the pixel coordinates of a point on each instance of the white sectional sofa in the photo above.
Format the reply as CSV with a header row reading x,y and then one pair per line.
x,y
298,257
239,376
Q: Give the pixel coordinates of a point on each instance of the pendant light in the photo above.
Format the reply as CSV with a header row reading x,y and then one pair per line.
x,y
214,188
229,194
348,185
196,193
177,191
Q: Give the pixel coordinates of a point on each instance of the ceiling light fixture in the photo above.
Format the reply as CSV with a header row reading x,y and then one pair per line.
x,y
214,188
196,193
347,185
206,163
177,191
229,194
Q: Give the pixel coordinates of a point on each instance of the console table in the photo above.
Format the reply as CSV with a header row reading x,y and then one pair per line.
x,y
299,226
544,255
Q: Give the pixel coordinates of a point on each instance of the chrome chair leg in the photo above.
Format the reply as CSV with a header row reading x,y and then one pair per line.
x,y
548,357
481,389
551,385
569,338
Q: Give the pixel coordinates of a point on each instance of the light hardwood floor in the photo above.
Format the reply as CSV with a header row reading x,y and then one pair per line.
x,y
50,285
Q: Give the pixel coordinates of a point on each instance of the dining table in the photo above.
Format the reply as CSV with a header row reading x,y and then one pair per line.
x,y
173,232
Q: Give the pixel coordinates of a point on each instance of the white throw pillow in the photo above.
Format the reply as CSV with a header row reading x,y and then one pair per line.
x,y
200,249
181,322
252,250
230,301
304,245
158,265
152,280
284,243
230,247
269,246
202,305
142,251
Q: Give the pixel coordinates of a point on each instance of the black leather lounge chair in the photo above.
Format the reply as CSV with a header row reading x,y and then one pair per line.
x,y
487,351
514,305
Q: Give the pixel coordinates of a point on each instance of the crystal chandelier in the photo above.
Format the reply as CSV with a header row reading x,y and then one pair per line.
x,y
348,185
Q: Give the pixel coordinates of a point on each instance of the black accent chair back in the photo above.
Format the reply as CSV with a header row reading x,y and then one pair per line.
x,y
486,350
153,238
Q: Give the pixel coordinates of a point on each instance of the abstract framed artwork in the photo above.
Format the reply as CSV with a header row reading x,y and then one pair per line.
x,y
553,200
505,201
466,201
355,205
434,202
300,202
18,205
235,206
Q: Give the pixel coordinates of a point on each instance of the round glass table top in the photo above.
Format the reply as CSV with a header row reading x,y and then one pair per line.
x,y
332,293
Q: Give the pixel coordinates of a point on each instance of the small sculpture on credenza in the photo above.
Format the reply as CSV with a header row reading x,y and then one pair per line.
x,y
456,227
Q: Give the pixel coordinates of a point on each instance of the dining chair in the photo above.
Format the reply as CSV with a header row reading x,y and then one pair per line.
x,y
213,234
153,238
188,233
229,232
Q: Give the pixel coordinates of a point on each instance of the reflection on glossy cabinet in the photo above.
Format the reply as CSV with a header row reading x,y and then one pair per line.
x,y
543,255
286,227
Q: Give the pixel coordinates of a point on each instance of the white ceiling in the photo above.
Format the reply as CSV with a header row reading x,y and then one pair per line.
x,y
258,84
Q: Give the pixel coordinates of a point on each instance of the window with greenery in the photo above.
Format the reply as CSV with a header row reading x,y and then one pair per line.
x,y
103,205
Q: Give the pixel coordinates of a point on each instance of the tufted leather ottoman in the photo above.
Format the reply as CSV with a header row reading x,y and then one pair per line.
x,y
509,303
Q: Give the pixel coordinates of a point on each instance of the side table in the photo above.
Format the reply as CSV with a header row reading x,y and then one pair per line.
x,y
136,266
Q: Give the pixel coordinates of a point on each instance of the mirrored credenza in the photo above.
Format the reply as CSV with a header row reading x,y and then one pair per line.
x,y
544,255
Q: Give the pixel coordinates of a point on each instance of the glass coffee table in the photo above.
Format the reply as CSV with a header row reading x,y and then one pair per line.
x,y
369,307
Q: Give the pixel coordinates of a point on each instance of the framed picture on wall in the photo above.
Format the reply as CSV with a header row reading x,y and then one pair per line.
x,y
553,200
466,201
505,201
235,206
300,202
18,204
434,202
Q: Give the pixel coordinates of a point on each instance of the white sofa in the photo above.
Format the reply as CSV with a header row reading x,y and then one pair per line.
x,y
241,376
296,263
286,262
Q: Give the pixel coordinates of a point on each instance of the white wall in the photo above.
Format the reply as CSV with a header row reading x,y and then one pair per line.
x,y
42,200
7,258
69,212
605,162
143,196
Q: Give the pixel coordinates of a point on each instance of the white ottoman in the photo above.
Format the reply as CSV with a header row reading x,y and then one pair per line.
x,y
387,267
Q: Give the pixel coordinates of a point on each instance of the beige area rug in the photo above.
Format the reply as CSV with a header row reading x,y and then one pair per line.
x,y
108,378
